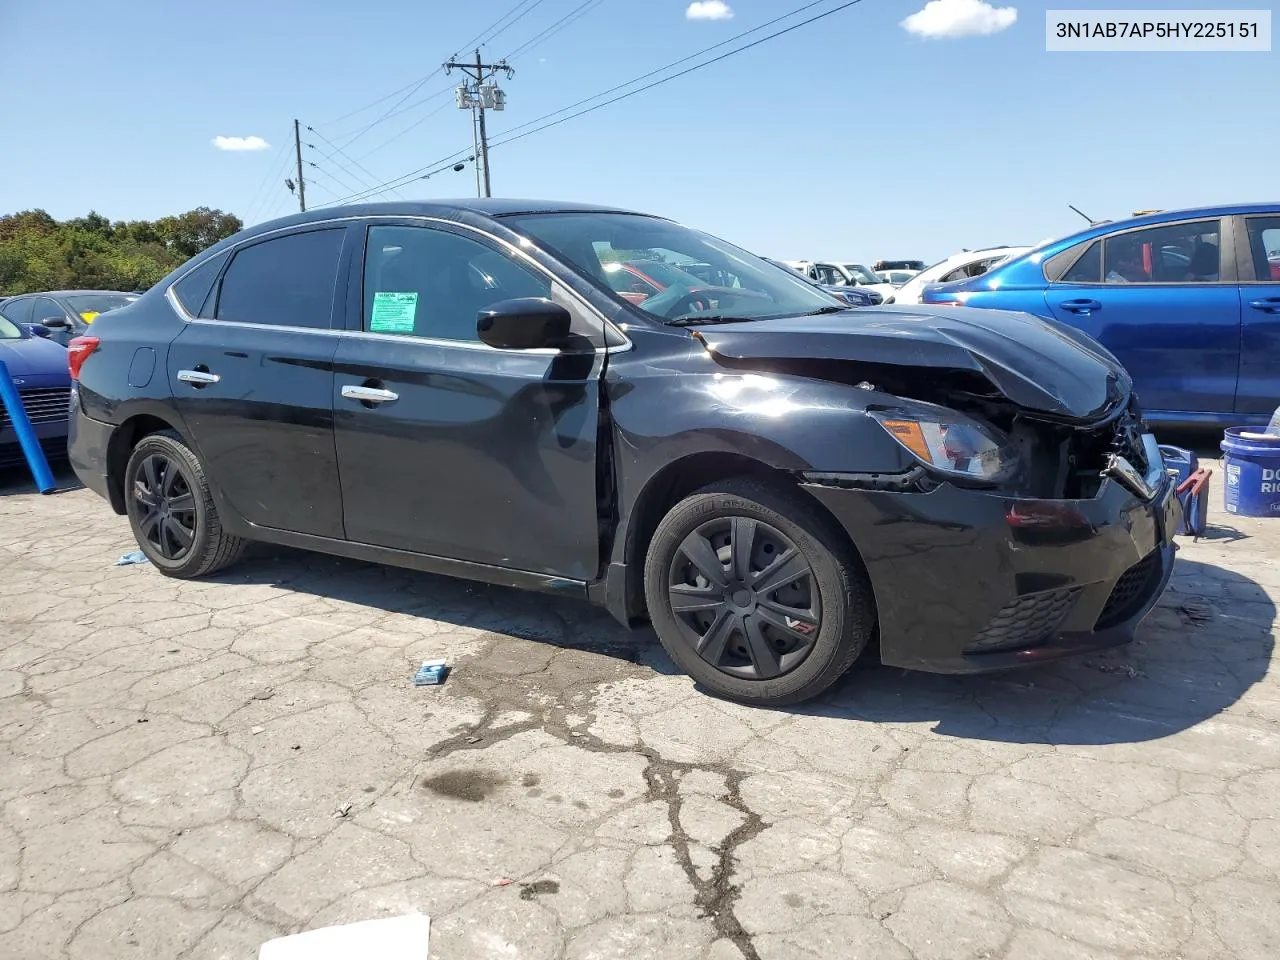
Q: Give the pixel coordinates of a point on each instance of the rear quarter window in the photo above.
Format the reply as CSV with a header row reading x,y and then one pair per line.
x,y
194,289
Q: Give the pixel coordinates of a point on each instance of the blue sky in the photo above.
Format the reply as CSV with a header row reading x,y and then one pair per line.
x,y
850,138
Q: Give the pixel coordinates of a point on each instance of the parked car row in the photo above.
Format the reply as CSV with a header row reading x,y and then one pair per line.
x,y
62,314
1187,300
34,332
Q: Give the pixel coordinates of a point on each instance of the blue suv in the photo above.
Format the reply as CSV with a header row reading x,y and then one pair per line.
x,y
1187,300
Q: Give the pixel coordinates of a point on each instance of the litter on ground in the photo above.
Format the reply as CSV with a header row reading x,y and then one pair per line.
x,y
394,938
430,673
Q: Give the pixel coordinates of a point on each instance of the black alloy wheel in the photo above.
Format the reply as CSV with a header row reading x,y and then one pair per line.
x,y
756,593
167,505
745,598
172,510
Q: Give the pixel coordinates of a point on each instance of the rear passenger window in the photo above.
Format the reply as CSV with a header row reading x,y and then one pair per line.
x,y
285,282
1088,269
194,288
17,311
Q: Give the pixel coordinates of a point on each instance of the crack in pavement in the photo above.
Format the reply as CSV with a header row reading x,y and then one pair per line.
x,y
714,896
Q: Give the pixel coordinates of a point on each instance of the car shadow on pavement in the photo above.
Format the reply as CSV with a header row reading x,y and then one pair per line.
x,y
538,617
1200,650
1206,643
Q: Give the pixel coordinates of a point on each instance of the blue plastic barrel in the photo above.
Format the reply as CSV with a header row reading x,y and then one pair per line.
x,y
1252,486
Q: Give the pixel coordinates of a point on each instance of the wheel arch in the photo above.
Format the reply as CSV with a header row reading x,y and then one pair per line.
x,y
624,581
123,439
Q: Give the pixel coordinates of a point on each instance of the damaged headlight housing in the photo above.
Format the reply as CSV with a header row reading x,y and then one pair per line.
x,y
951,443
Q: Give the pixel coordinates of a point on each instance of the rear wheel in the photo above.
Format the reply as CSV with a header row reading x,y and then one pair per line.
x,y
754,596
171,511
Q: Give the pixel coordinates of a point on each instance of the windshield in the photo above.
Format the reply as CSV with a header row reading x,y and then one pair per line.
x,y
860,273
698,274
89,305
9,330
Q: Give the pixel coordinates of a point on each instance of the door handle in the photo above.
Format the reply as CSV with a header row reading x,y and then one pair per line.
x,y
1266,304
198,378
369,394
1080,306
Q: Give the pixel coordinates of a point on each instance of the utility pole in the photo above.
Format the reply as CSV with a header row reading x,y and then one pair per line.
x,y
483,95
302,184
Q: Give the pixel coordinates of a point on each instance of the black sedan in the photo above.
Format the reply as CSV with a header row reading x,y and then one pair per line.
x,y
62,314
770,478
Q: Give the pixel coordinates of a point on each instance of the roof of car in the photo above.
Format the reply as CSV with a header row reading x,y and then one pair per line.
x,y
446,209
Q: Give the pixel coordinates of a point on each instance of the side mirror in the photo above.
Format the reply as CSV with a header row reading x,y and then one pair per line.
x,y
523,324
55,323
39,330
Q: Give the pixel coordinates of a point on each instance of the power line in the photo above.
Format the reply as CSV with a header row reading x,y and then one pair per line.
x,y
573,16
338,163
528,10
484,35
414,85
341,181
274,172
676,63
417,123
431,168
536,128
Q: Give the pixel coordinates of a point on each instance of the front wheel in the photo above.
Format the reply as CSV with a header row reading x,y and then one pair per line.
x,y
172,512
752,593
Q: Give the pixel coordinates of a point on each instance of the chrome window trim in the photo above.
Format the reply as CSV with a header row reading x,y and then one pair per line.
x,y
371,219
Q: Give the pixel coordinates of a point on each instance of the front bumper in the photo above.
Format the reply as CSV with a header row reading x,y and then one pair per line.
x,y
967,581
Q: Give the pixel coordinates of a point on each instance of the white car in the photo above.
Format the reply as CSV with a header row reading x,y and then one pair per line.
x,y
896,277
839,274
968,263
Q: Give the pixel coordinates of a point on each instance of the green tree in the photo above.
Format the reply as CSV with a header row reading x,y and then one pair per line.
x,y
38,252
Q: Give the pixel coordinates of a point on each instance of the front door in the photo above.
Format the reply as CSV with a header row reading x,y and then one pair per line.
x,y
254,382
461,450
1259,391
1164,301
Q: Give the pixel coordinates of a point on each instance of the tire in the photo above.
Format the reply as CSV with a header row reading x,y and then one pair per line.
x,y
746,623
184,541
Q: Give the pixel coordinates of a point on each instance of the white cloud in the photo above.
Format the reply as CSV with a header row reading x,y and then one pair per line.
x,y
951,19
709,10
241,143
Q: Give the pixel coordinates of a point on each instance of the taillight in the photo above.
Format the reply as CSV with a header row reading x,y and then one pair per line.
x,y
78,351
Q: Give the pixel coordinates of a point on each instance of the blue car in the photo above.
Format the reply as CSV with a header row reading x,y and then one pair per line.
x,y
38,367
1187,300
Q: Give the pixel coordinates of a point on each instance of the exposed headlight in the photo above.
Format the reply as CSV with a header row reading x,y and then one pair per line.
x,y
952,443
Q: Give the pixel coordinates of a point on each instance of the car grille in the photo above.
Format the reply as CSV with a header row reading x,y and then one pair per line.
x,y
42,406
1025,622
1130,592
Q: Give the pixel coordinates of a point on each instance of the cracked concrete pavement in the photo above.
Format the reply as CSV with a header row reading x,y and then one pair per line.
x,y
189,769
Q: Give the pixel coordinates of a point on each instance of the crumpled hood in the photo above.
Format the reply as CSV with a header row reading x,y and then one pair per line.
x,y
34,356
1038,364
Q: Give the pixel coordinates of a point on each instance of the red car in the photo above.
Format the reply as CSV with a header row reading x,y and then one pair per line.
x,y
637,282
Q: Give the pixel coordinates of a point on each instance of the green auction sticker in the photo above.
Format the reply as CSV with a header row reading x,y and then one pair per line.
x,y
393,312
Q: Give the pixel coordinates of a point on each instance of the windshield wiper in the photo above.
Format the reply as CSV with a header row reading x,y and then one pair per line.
x,y
822,310
693,319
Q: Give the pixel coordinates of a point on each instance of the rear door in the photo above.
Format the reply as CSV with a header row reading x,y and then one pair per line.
x,y
466,452
1163,299
1259,246
252,378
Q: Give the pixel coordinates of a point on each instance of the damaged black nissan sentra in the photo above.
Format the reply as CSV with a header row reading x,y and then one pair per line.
x,y
615,407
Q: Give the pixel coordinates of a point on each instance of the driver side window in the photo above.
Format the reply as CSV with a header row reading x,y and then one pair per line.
x,y
423,282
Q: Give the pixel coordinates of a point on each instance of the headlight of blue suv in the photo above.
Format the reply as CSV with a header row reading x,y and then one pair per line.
x,y
952,443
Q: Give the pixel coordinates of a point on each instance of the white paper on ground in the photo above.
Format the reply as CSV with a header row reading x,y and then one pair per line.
x,y
395,938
